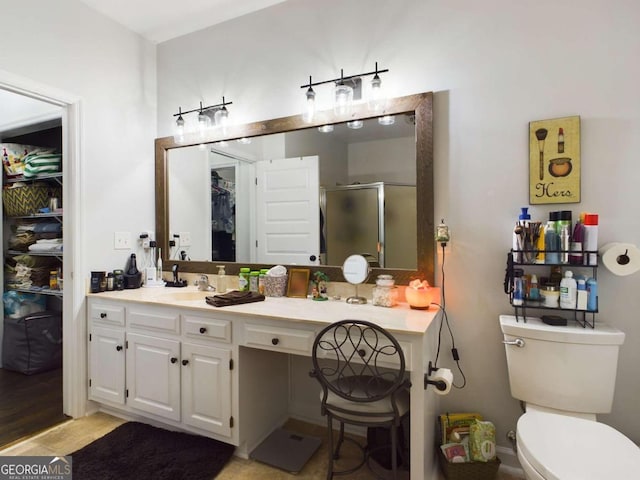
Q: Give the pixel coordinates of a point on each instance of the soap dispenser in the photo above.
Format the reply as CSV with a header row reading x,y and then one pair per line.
x,y
222,280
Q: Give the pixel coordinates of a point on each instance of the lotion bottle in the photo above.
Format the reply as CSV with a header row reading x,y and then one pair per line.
x,y
568,291
221,286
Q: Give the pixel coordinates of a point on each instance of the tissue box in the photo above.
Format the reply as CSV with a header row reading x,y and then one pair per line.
x,y
275,286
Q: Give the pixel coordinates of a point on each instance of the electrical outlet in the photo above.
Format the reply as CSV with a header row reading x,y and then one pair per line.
x,y
122,240
185,239
145,239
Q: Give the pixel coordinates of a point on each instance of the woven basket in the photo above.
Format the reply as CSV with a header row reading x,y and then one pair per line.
x,y
28,200
469,470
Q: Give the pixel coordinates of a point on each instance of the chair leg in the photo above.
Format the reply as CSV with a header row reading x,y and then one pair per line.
x,y
336,454
394,450
330,447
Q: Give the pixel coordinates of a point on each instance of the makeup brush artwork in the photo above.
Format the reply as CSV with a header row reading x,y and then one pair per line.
x,y
554,161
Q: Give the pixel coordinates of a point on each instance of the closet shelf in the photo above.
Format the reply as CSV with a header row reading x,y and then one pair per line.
x,y
58,255
43,291
57,177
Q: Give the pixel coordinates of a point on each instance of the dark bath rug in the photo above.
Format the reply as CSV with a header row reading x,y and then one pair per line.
x,y
138,451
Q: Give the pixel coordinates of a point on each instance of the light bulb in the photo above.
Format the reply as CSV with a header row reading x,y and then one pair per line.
x,y
355,124
222,119
310,106
326,128
343,99
203,122
179,136
377,98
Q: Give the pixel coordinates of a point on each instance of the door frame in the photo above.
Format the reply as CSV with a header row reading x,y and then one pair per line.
x,y
74,346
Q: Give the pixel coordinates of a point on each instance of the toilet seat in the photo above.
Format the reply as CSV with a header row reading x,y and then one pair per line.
x,y
560,447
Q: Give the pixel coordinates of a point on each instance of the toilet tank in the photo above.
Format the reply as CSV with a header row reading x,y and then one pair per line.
x,y
566,368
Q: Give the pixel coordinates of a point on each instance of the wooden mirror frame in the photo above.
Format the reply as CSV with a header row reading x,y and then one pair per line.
x,y
420,104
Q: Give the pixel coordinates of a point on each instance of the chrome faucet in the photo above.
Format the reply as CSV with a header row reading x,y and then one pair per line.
x,y
203,284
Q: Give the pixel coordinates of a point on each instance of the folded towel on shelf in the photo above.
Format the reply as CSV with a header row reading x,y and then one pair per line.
x,y
38,163
53,245
234,298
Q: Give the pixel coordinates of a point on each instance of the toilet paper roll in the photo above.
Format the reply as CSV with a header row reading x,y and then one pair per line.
x,y
620,258
444,375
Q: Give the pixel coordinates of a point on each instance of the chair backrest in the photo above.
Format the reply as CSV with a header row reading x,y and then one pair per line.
x,y
358,361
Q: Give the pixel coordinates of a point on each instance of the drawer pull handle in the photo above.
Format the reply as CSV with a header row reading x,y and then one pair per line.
x,y
174,359
118,347
185,362
203,330
275,341
103,315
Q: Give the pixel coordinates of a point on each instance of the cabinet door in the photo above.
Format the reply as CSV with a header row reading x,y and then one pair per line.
x,y
106,365
206,388
153,375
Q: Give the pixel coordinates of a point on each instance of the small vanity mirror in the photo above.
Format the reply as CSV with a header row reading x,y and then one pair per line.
x,y
355,271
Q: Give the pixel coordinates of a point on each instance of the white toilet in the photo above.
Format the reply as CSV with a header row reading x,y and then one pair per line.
x,y
565,376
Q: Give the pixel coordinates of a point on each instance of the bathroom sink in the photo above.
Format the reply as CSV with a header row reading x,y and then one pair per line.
x,y
187,296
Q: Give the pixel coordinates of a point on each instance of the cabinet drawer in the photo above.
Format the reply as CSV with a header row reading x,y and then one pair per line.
x,y
149,318
279,339
106,313
207,328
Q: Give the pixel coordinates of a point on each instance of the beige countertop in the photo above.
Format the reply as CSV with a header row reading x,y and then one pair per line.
x,y
398,319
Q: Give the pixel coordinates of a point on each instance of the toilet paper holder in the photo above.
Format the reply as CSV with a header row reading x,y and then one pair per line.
x,y
439,384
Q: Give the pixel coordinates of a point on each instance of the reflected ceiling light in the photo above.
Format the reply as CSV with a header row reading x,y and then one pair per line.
x,y
244,141
212,115
355,124
326,128
387,120
346,90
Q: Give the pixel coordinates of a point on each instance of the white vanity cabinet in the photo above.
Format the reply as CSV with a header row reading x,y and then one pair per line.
x,y
140,363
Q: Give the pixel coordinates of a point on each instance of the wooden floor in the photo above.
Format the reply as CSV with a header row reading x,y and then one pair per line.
x,y
29,403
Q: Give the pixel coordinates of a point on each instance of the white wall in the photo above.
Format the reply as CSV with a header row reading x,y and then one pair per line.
x,y
190,176
66,45
390,160
494,66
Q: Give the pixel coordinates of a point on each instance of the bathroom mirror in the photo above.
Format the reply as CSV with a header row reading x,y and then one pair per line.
x,y
184,168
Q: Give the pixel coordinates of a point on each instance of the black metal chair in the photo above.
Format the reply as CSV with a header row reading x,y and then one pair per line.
x,y
360,367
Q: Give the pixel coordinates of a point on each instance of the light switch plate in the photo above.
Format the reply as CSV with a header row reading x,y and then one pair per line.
x,y
185,239
122,240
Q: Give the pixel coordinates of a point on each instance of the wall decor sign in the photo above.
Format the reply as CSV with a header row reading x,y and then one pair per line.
x,y
554,161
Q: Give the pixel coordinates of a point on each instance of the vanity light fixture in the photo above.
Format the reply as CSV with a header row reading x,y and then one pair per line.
x,y
310,109
326,128
343,96
346,90
212,115
377,99
180,126
355,124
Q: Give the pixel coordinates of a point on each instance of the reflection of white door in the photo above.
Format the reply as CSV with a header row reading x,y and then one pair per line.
x,y
288,211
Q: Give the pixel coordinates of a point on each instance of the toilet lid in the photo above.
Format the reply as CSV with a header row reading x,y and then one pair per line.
x,y
569,448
